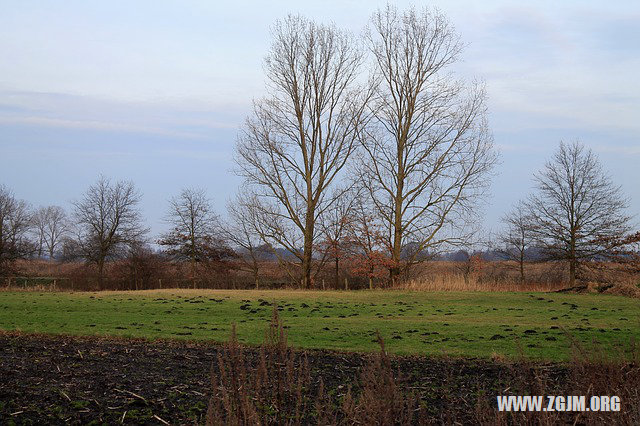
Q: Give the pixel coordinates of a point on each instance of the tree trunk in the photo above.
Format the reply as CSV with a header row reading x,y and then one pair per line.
x,y
572,260
100,272
394,272
572,272
193,272
308,250
337,271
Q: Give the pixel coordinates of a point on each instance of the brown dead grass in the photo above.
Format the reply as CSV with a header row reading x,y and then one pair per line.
x,y
483,276
504,276
453,282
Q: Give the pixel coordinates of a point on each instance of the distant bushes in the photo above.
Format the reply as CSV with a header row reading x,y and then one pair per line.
x,y
145,269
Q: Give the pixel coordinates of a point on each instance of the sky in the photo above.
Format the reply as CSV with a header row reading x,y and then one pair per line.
x,y
156,91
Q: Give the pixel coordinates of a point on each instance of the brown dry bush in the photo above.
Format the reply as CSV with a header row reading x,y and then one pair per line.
x,y
281,389
601,371
381,400
592,371
276,392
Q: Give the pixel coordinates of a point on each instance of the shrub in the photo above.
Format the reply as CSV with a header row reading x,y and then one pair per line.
x,y
280,390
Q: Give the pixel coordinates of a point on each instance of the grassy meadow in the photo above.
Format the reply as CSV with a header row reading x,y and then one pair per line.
x,y
469,324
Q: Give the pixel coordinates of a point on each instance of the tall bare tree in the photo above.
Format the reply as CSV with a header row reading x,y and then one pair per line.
x,y
517,237
294,146
15,223
50,225
578,213
196,235
428,150
108,222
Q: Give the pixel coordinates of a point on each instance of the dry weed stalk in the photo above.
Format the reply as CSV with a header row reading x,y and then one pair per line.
x,y
591,371
277,388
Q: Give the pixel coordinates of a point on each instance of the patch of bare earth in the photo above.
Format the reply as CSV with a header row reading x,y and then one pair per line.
x,y
56,380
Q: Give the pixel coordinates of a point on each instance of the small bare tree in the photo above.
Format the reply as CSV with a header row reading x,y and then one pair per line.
x,y
296,143
142,267
428,151
197,234
50,226
577,211
366,242
108,222
517,237
335,226
241,231
15,223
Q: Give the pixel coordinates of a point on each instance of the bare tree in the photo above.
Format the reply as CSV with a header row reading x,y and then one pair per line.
x,y
300,136
38,225
142,267
335,226
108,222
196,235
242,232
517,237
428,150
50,226
578,213
366,242
15,223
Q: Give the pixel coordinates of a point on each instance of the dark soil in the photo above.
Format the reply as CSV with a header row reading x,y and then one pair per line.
x,y
55,380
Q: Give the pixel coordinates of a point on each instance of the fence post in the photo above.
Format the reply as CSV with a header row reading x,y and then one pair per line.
x,y
346,283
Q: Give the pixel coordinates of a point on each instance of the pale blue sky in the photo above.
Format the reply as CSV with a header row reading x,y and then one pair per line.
x,y
155,91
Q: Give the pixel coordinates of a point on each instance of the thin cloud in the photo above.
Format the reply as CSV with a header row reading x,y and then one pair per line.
x,y
95,125
617,149
59,110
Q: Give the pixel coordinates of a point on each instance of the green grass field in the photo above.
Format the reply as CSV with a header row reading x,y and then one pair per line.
x,y
457,324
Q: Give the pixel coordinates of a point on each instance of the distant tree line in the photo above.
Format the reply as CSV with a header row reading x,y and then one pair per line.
x,y
364,150
576,217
